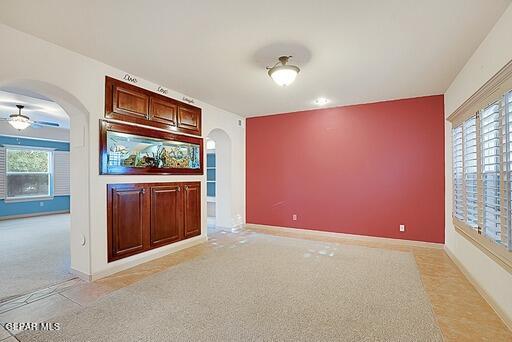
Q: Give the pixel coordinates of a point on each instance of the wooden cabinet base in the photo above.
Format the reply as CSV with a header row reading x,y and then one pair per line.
x,y
145,216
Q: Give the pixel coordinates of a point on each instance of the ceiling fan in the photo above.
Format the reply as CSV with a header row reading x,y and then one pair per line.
x,y
21,122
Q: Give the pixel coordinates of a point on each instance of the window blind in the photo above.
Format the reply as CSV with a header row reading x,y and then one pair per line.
x,y
482,168
506,217
482,178
458,178
490,140
470,171
2,173
61,173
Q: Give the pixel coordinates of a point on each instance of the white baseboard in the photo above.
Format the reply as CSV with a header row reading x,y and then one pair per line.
x,y
43,213
504,317
347,236
134,260
81,275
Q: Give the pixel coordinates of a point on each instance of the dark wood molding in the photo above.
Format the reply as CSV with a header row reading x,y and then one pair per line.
x,y
145,216
146,132
129,103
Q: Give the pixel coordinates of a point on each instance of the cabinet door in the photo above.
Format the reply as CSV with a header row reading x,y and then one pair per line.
x,y
163,111
189,120
192,209
125,102
126,220
130,102
166,213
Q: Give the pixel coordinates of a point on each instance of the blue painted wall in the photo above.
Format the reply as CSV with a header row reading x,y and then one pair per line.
x,y
58,203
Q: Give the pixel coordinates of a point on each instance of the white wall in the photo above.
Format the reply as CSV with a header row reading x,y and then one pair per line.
x,y
494,52
76,82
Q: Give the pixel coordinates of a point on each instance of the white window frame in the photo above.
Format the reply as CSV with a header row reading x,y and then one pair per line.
x,y
501,252
50,174
495,89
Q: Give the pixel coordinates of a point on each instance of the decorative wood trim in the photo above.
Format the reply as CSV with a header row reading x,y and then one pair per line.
x,y
492,303
478,99
494,251
309,232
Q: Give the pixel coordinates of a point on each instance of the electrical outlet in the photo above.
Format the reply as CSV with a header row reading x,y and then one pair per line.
x,y
402,227
294,217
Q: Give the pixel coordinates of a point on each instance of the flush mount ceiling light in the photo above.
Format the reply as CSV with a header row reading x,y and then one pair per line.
x,y
282,73
321,101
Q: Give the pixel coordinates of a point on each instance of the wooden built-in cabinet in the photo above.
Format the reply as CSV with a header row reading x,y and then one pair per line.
x,y
145,216
129,103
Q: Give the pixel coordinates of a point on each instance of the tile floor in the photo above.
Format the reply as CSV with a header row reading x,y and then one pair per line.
x,y
462,314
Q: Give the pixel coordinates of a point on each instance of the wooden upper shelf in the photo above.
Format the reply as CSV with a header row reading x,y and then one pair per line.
x,y
129,103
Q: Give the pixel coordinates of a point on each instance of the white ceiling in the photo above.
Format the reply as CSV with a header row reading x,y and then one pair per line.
x,y
350,51
37,108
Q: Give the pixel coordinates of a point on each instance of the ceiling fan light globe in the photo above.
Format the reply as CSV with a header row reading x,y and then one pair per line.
x,y
20,122
284,75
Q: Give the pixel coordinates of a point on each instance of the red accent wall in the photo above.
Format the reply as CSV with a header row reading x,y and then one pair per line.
x,y
362,169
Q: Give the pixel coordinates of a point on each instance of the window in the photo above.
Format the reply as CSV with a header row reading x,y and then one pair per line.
x,y
482,160
28,173
210,174
482,168
490,140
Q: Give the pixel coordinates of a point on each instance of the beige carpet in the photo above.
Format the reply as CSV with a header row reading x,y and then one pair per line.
x,y
265,288
34,253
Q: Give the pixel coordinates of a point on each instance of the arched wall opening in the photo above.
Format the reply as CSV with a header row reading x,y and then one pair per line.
x,y
223,179
79,167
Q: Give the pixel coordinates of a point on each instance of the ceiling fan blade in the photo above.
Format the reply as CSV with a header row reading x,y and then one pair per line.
x,y
47,123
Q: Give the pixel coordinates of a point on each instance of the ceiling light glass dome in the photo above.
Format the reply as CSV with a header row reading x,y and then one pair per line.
x,y
282,73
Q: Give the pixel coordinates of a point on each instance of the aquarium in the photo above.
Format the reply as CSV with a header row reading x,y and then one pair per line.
x,y
128,152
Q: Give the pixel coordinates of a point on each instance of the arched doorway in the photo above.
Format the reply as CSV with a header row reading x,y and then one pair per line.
x,y
79,166
221,196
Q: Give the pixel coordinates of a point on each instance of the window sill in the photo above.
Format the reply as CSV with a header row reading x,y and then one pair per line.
x,y
28,199
496,252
